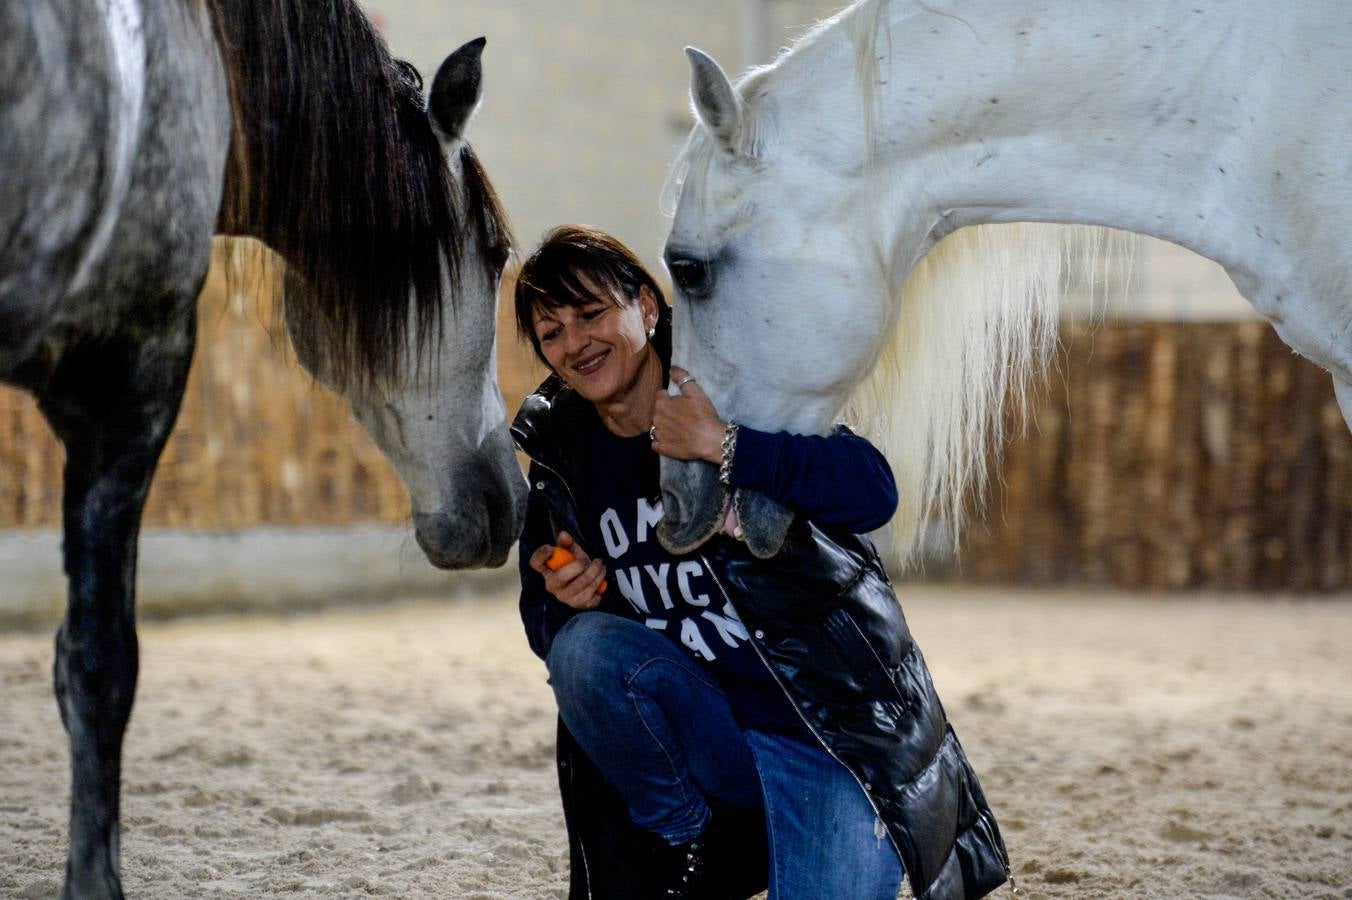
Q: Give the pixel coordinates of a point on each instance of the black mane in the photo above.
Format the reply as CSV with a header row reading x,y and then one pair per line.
x,y
334,165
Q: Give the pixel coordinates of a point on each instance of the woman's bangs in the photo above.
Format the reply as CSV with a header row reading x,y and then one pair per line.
x,y
580,285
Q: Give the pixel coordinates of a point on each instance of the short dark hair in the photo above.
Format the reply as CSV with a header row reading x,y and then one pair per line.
x,y
553,275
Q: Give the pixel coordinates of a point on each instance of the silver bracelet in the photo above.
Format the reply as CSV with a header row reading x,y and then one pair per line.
x,y
729,448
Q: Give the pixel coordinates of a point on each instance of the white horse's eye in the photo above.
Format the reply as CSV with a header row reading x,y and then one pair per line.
x,y
693,277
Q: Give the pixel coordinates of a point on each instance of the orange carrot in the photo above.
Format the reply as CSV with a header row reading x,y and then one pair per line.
x,y
559,557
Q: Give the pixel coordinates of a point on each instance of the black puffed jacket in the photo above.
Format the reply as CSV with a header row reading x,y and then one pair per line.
x,y
824,618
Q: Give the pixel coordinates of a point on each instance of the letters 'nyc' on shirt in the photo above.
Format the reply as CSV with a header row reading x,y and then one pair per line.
x,y
668,593
850,486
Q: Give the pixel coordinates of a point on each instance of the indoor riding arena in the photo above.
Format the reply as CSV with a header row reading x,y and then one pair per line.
x,y
1142,645
1140,633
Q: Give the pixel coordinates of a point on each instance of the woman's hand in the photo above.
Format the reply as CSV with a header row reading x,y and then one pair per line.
x,y
687,426
576,583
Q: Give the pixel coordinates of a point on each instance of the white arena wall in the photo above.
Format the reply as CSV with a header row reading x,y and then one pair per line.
x,y
256,570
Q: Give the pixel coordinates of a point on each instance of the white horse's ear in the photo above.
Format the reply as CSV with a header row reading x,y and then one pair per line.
x,y
456,91
714,98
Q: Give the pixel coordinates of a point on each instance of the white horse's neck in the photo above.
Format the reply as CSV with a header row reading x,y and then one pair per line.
x,y
1184,121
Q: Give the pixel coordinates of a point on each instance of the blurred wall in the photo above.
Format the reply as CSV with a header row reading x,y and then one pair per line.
x,y
585,102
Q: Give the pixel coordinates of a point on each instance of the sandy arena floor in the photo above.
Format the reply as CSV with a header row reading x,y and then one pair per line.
x,y
1130,747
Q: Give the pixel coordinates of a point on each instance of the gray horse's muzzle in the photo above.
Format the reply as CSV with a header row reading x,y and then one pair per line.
x,y
482,526
695,503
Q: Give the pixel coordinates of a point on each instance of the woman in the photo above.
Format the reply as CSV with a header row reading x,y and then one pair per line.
x,y
726,722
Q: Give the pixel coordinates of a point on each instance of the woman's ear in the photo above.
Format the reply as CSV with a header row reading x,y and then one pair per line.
x,y
647,304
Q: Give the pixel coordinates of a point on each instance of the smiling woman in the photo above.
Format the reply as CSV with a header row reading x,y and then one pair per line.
x,y
714,698
589,309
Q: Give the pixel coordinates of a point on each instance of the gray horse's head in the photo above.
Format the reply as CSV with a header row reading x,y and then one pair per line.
x,y
436,411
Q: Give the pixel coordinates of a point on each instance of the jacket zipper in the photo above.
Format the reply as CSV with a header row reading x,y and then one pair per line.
x,y
551,470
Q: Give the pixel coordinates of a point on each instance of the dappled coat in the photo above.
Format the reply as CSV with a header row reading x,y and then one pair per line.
x,y
823,617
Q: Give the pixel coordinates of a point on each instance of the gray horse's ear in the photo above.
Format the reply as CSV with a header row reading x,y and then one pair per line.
x,y
456,90
714,98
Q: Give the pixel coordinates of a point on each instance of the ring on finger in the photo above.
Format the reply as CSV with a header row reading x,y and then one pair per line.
x,y
684,381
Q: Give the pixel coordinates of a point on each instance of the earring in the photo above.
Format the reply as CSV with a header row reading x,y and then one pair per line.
x,y
652,331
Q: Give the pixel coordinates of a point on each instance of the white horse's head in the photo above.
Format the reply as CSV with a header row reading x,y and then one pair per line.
x,y
820,270
438,415
781,289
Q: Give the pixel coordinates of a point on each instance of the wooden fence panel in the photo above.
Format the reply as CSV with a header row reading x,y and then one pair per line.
x,y
1162,455
1175,455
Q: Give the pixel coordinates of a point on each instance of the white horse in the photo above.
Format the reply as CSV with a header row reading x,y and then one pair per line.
x,y
820,188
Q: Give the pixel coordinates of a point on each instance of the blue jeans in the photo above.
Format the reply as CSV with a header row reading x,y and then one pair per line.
x,y
660,730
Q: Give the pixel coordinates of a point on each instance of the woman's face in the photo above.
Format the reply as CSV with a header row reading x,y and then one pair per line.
x,y
599,348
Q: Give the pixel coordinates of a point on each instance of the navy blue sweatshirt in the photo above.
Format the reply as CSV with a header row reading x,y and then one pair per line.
x,y
837,481
840,480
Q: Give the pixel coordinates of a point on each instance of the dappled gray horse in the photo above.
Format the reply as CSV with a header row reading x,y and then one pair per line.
x,y
130,132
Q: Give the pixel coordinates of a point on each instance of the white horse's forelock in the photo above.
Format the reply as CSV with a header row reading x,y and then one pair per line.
x,y
976,323
864,20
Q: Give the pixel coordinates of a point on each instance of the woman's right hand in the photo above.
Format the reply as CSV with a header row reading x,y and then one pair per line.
x,y
576,583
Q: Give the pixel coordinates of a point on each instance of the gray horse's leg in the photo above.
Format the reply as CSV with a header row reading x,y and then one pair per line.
x,y
113,404
1343,391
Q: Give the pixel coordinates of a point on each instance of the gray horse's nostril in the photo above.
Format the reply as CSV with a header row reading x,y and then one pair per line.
x,y
447,545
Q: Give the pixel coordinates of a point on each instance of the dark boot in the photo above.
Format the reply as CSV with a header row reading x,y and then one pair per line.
x,y
690,865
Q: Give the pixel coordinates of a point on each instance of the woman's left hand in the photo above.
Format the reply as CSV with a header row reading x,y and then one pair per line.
x,y
686,426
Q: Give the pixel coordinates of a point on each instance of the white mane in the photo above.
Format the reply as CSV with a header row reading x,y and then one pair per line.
x,y
976,328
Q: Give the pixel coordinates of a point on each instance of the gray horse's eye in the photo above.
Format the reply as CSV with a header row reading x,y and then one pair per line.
x,y
498,255
693,277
